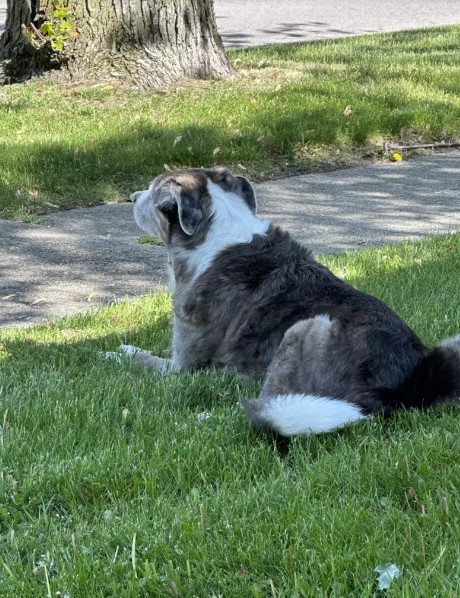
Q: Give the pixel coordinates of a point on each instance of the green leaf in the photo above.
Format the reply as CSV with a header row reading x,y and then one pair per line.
x,y
47,29
149,241
58,44
61,13
64,27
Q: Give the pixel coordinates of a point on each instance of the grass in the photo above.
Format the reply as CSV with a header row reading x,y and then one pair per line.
x,y
115,481
295,108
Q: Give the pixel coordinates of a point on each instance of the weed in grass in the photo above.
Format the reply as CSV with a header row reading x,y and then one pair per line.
x,y
150,241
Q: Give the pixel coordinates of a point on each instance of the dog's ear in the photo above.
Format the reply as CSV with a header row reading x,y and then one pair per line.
x,y
236,184
184,204
245,190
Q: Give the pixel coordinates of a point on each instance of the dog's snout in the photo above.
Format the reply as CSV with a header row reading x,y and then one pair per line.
x,y
133,197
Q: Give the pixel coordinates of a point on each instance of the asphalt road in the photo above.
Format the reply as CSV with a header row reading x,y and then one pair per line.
x,y
248,23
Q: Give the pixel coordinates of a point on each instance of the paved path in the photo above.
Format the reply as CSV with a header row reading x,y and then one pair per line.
x,y
245,23
83,258
248,23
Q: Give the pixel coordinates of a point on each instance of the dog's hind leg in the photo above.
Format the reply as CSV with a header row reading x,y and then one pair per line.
x,y
300,392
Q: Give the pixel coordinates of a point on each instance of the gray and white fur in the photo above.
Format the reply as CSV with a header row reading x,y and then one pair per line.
x,y
247,296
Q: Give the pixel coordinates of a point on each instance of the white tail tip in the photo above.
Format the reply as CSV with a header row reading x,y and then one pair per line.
x,y
294,414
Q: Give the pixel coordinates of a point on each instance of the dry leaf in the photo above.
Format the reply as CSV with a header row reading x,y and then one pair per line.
x,y
216,151
241,166
348,111
177,139
166,167
260,138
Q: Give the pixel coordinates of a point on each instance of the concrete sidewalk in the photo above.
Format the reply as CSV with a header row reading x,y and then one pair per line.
x,y
242,23
84,258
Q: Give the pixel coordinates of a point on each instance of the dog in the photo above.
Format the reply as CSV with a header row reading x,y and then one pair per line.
x,y
248,297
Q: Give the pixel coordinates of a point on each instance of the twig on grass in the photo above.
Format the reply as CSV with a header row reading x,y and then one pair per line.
x,y
387,146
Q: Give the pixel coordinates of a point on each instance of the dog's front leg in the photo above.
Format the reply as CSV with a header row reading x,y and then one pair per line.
x,y
148,360
191,350
184,355
145,358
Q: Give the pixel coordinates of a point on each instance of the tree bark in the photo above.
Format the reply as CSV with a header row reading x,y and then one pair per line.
x,y
146,44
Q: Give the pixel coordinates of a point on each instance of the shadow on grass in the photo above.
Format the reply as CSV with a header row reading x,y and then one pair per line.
x,y
95,168
123,141
108,167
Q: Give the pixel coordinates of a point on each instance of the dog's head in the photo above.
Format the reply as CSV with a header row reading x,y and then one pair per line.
x,y
180,207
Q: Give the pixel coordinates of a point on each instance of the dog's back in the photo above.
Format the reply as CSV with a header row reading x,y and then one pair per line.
x,y
255,292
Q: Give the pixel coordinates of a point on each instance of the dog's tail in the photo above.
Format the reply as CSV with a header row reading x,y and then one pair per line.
x,y
293,414
436,379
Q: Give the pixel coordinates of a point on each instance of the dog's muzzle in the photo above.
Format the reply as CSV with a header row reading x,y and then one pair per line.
x,y
133,197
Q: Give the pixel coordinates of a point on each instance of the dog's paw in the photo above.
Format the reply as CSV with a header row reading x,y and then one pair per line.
x,y
122,352
115,355
151,361
128,350
142,357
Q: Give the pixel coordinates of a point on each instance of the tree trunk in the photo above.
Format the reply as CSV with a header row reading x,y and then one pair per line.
x,y
145,44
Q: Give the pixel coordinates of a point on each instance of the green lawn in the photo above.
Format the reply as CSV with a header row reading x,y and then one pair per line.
x,y
114,483
294,108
